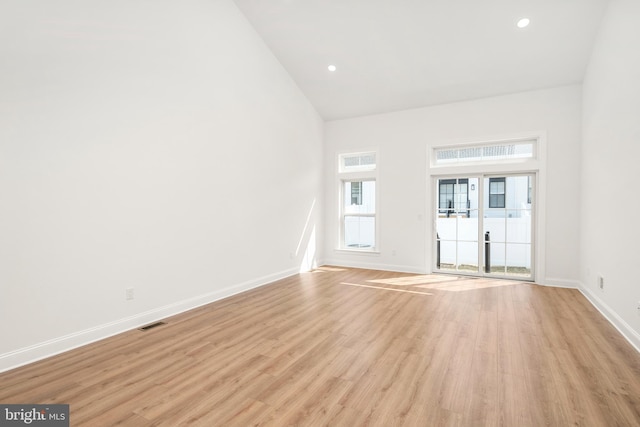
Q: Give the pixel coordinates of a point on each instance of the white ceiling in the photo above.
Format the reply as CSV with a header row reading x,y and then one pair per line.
x,y
398,54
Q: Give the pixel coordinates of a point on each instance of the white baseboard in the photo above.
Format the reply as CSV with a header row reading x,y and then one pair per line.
x,y
559,283
618,322
376,266
68,342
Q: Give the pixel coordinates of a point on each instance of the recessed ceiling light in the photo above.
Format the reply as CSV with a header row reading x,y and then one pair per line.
x,y
523,22
332,67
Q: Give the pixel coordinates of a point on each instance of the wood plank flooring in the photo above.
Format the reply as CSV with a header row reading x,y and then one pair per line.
x,y
350,347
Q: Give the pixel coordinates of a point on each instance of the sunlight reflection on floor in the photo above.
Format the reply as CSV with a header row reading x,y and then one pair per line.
x,y
446,283
326,269
386,289
415,280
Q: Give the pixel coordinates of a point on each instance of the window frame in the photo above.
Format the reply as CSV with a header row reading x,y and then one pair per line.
x,y
491,201
536,165
357,175
350,169
483,153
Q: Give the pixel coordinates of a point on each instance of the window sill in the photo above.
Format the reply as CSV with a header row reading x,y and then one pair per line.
x,y
358,251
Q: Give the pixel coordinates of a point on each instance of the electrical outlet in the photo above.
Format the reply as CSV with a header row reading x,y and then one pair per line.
x,y
601,283
129,294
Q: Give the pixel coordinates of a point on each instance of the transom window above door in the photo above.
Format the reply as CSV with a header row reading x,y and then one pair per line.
x,y
486,153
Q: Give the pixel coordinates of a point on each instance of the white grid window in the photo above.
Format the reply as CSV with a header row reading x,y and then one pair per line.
x,y
358,194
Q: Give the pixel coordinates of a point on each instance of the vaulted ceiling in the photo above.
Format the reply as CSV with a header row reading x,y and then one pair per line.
x,y
398,54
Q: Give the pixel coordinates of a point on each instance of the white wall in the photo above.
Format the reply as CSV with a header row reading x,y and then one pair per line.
x,y
156,145
402,139
610,160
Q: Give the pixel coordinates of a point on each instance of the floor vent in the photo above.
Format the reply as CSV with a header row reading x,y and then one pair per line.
x,y
153,325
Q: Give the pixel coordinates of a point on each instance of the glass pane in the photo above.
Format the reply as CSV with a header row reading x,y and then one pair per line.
x,y
359,232
462,201
447,255
518,226
495,224
446,202
457,224
508,219
496,187
453,196
518,259
461,196
357,162
519,194
356,193
468,257
495,192
347,194
473,194
359,197
467,229
493,152
497,261
446,228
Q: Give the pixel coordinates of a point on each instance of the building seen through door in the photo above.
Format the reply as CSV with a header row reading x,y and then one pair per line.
x,y
484,225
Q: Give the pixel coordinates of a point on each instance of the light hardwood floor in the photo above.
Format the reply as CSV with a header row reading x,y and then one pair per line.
x,y
355,347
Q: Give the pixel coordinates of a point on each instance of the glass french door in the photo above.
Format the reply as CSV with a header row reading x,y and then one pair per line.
x,y
484,225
